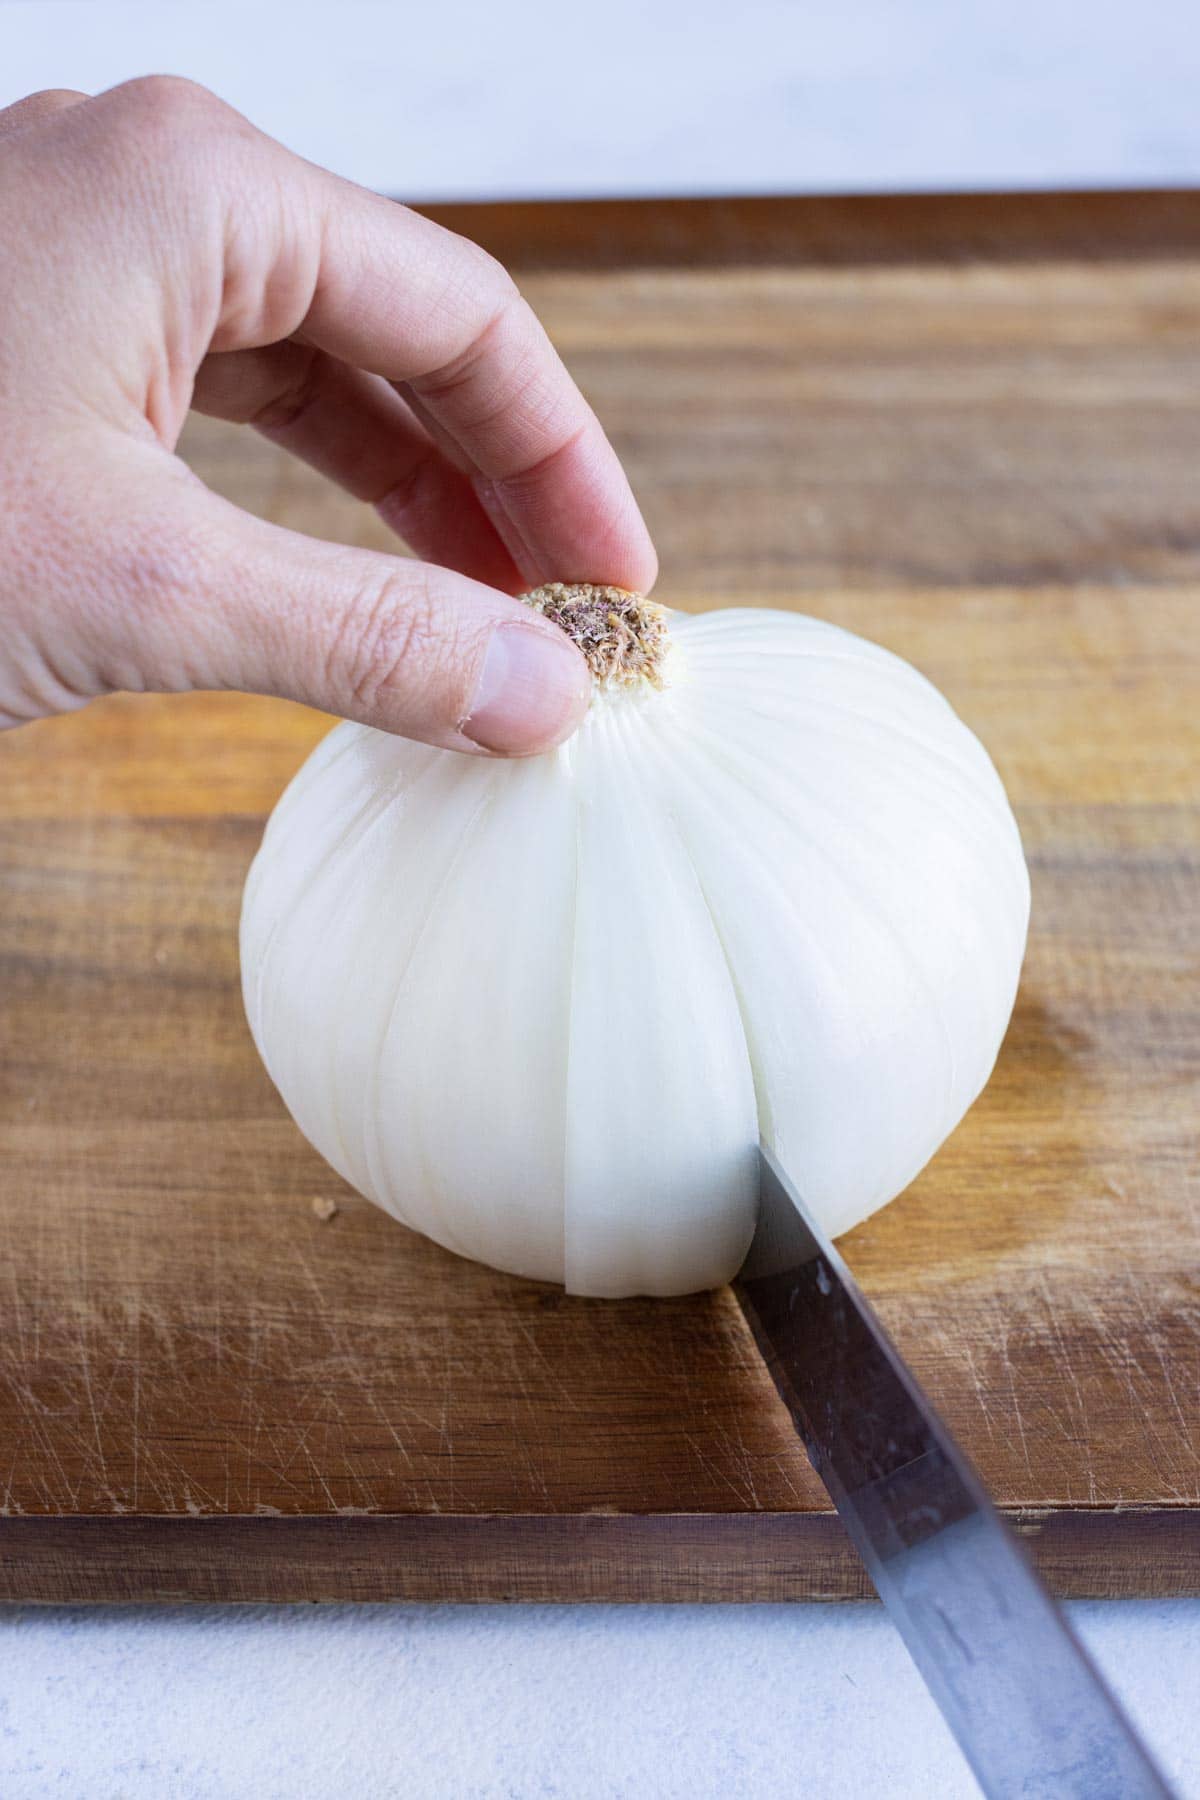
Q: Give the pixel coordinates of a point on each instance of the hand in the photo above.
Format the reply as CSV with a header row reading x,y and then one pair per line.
x,y
161,253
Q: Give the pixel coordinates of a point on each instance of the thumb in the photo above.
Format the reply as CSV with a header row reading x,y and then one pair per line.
x,y
230,601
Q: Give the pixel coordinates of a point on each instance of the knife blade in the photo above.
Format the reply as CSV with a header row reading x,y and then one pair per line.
x,y
1029,1710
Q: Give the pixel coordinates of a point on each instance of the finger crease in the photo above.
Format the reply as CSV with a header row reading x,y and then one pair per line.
x,y
541,465
285,410
440,383
399,496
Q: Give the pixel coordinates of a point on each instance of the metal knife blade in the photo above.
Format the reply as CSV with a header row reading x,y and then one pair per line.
x,y
1012,1681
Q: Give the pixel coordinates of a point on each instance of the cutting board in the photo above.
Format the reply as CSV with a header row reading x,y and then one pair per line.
x,y
969,429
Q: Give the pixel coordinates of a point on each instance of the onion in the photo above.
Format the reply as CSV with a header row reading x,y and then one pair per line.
x,y
541,1010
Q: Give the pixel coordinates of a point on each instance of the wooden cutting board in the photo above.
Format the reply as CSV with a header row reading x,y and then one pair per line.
x,y
968,429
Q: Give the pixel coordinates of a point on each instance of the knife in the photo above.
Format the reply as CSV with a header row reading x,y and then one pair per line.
x,y
1012,1681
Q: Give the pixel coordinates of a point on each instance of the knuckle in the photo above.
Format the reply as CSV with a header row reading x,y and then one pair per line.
x,y
482,272
475,297
37,112
169,123
165,100
45,100
491,277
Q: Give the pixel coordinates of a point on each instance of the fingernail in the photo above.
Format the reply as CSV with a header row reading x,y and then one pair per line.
x,y
532,691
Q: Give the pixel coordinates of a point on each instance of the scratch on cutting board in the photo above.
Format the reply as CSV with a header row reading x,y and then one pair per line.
x,y
744,1494
349,1360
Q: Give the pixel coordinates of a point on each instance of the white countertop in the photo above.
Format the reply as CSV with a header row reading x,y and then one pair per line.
x,y
494,1703
470,99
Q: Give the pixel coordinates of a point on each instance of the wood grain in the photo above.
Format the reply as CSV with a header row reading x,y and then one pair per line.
x,y
986,461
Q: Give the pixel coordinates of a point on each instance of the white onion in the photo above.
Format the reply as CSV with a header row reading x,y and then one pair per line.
x,y
541,1010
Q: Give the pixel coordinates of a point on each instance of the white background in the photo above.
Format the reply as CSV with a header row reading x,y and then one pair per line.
x,y
454,99
450,100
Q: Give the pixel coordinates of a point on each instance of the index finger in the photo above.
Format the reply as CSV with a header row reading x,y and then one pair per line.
x,y
301,252
397,294
429,310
